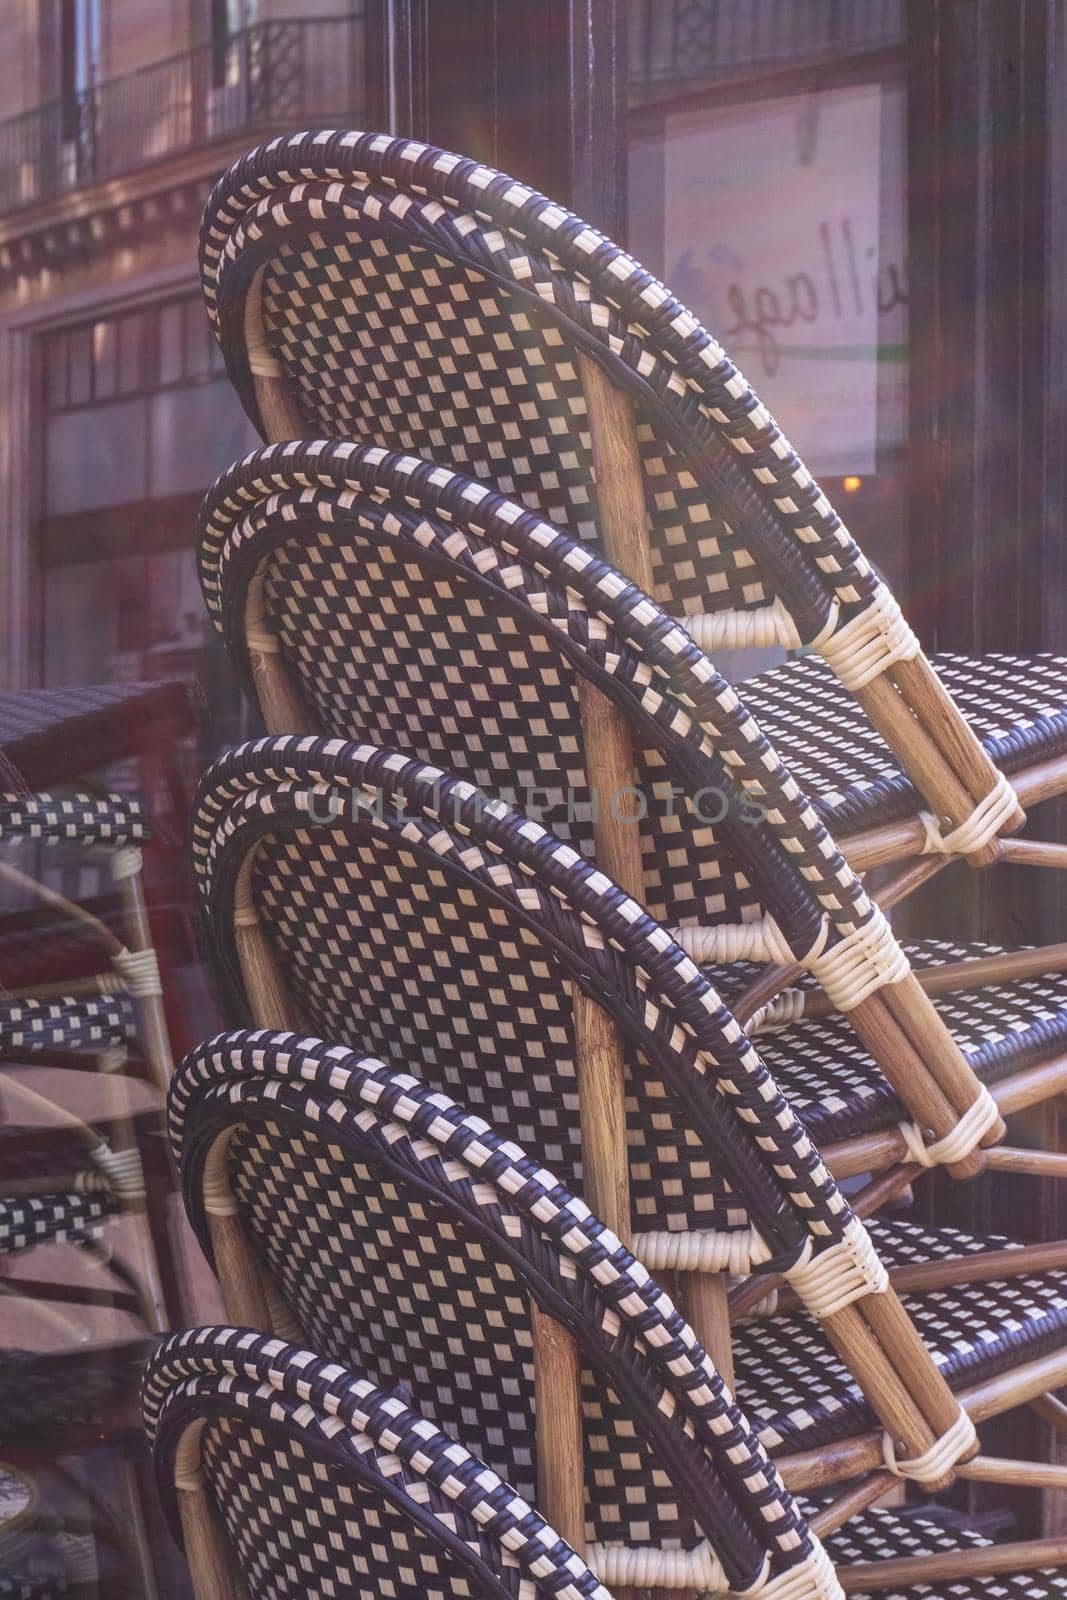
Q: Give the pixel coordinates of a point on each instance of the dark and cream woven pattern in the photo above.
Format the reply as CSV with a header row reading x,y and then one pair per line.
x,y
477,1002
359,231
1017,706
328,1483
839,1090
48,1219
799,1394
407,1237
429,303
562,594
111,820
880,1535
72,1022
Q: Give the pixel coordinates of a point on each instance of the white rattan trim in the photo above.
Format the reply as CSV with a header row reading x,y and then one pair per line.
x,y
839,1275
78,1554
966,1136
122,1169
758,940
864,961
650,1567
871,642
126,862
710,1250
140,969
982,826
814,1578
957,1443
785,1008
742,630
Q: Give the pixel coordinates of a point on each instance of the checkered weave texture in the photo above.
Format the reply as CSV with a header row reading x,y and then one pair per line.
x,y
879,1535
374,1199
378,958
836,1086
1016,706
112,820
51,1218
799,1395
387,260
71,1022
330,1485
345,622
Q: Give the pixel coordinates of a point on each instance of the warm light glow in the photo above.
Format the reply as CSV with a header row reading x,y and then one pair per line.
x,y
852,484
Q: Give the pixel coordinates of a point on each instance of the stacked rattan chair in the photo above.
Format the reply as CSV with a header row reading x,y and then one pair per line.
x,y
410,582
72,1018
80,1236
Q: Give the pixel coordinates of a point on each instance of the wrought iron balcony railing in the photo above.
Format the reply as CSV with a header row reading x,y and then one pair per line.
x,y
265,79
688,40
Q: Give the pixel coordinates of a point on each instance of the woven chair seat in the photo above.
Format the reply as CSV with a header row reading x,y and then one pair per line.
x,y
50,1218
69,1022
1016,705
839,1090
882,1535
797,1392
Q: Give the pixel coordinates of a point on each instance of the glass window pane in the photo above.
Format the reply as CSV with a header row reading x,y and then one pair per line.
x,y
105,359
80,370
55,376
196,432
133,353
171,351
95,457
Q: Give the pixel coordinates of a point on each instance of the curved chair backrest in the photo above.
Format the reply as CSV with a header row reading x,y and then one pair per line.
x,y
406,1235
472,625
412,608
326,1482
410,915
407,294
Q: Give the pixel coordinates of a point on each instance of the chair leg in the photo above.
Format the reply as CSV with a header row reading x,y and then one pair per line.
x,y
206,1547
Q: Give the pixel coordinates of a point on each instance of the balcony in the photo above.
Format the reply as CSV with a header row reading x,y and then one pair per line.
x,y
266,79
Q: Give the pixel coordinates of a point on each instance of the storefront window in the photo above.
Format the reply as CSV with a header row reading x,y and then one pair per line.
x,y
766,185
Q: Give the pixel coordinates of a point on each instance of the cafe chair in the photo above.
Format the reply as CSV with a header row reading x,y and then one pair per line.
x,y
369,595
370,899
380,289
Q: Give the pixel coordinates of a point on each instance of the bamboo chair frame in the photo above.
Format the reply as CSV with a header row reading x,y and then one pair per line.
x,y
276,690
284,709
874,652
243,1285
897,687
907,707
250,1290
262,976
121,1171
897,1022
609,763
133,970
829,1518
138,976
